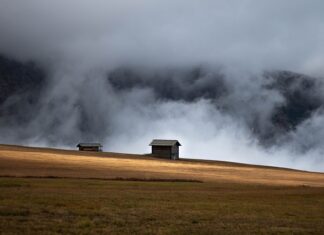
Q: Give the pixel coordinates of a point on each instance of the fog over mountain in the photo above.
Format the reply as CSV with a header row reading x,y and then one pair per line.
x,y
232,80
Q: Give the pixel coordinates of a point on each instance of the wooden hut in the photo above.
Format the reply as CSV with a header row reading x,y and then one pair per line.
x,y
168,149
94,147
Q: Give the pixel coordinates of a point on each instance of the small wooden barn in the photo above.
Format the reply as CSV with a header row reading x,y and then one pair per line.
x,y
168,149
94,147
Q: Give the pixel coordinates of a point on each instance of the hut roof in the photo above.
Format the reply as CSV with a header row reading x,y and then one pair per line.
x,y
165,143
89,145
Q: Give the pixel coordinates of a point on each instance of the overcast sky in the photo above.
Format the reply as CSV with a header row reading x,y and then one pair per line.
x,y
248,34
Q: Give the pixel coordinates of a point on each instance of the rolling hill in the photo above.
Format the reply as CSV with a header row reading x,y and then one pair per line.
x,y
20,161
51,191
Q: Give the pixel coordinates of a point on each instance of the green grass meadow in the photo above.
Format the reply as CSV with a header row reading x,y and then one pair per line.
x,y
79,206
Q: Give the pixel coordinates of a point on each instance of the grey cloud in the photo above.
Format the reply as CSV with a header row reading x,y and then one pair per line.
x,y
247,34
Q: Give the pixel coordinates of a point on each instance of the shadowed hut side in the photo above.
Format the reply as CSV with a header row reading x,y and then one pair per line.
x,y
93,147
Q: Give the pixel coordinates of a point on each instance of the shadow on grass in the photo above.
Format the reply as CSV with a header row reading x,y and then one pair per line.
x,y
109,179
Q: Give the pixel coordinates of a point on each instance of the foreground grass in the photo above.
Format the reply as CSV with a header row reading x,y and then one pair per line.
x,y
80,206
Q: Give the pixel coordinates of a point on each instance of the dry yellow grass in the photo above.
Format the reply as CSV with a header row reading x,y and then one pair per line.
x,y
235,198
37,162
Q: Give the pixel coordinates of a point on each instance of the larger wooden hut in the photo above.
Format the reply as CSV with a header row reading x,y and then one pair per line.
x,y
168,149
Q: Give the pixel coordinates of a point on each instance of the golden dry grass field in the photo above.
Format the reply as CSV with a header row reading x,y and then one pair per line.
x,y
38,162
48,191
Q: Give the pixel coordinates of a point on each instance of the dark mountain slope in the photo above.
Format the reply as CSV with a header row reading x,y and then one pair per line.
x,y
24,85
21,85
24,79
176,84
301,94
303,97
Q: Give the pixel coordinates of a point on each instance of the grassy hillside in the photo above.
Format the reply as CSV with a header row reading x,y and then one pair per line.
x,y
38,162
169,197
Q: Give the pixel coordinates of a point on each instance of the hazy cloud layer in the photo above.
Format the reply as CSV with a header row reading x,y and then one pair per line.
x,y
82,43
247,34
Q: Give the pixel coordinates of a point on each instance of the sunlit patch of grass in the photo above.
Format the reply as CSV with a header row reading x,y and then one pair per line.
x,y
18,161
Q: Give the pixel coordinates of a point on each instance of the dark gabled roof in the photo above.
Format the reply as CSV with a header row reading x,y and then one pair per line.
x,y
89,145
165,143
